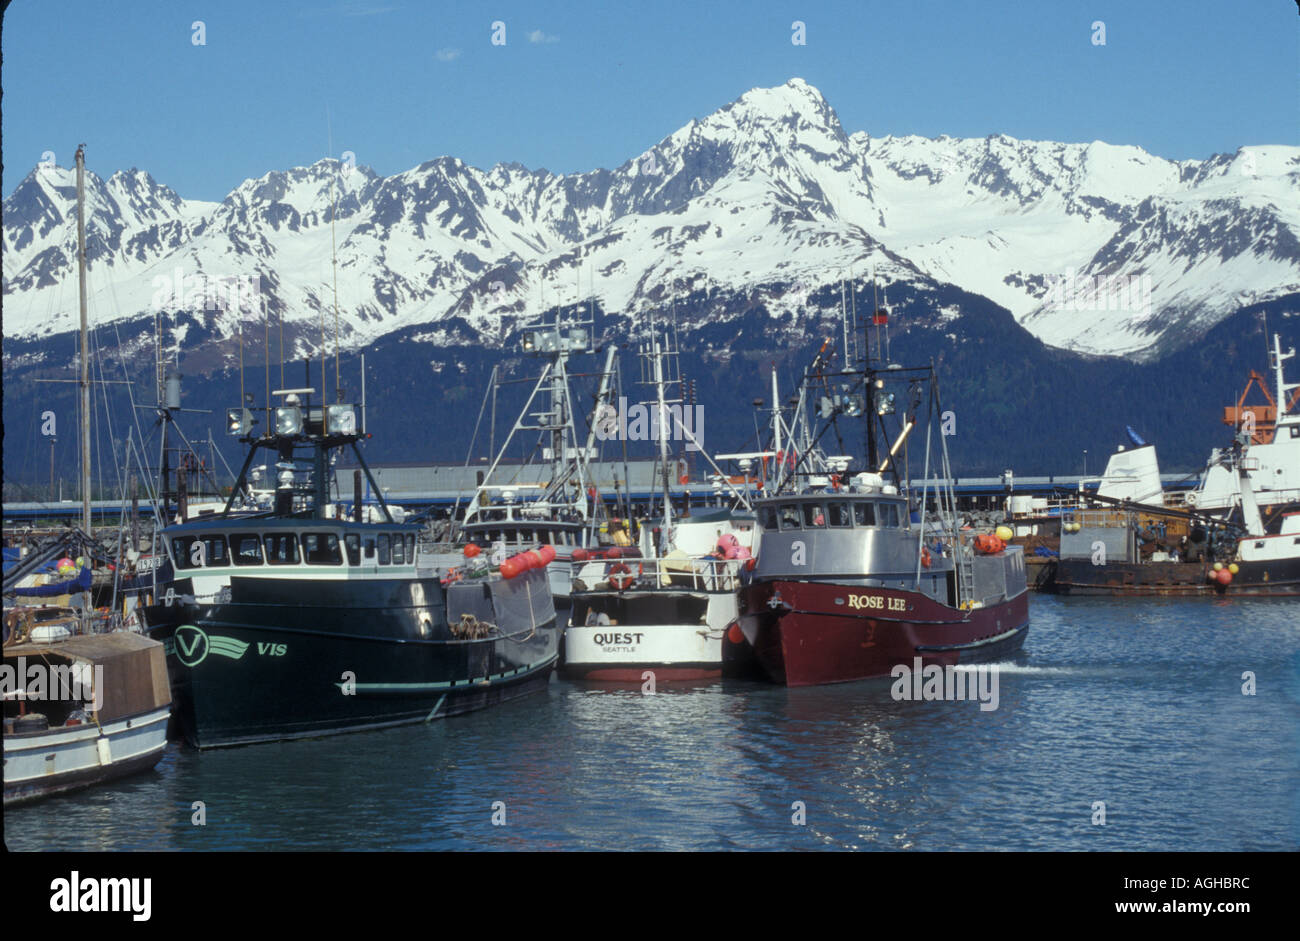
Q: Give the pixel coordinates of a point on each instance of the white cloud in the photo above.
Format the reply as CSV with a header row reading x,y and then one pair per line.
x,y
538,36
447,55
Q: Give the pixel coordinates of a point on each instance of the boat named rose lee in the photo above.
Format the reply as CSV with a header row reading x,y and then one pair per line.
x,y
299,623
857,575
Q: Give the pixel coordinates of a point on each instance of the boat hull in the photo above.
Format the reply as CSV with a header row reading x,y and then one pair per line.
x,y
59,760
664,633
811,633
261,667
1080,577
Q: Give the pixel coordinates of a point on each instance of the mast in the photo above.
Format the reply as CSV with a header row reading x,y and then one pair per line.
x,y
85,344
663,434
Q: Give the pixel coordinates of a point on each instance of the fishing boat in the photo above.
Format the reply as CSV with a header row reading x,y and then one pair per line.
x,y
80,708
85,701
1271,433
298,622
661,607
859,572
1238,532
560,504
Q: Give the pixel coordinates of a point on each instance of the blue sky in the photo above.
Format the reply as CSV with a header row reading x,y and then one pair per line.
x,y
581,85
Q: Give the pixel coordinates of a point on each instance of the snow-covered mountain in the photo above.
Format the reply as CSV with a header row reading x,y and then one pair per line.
x,y
1092,247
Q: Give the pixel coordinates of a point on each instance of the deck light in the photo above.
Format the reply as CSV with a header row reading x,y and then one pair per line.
x,y
288,420
340,420
239,421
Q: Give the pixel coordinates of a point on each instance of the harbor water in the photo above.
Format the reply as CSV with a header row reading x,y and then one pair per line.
x,y
1123,725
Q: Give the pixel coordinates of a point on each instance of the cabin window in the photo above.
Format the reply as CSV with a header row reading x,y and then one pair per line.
x,y
410,548
321,549
370,547
814,515
245,549
790,516
864,514
888,513
352,543
767,517
385,550
281,548
194,552
399,549
838,514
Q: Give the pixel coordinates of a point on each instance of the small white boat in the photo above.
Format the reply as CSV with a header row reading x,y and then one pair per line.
x,y
81,710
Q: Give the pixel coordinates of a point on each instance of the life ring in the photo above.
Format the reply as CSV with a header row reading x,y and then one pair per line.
x,y
620,576
925,556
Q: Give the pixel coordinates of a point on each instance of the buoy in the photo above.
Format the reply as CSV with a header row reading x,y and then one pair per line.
x,y
510,567
472,550
1233,568
1004,533
1218,566
620,576
1224,577
735,634
579,554
548,554
684,479
925,556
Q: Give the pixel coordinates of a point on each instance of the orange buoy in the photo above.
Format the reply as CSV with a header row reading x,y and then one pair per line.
x,y
735,634
620,576
472,550
579,554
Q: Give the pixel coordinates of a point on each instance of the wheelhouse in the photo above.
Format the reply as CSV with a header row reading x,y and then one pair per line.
x,y
278,547
833,512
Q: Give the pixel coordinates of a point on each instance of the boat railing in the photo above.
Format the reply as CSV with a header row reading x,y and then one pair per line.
x,y
639,574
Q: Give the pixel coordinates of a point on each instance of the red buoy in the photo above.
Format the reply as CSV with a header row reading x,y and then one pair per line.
x,y
472,550
735,634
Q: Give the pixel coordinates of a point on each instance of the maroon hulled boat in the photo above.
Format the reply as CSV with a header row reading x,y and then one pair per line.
x,y
861,610
853,580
